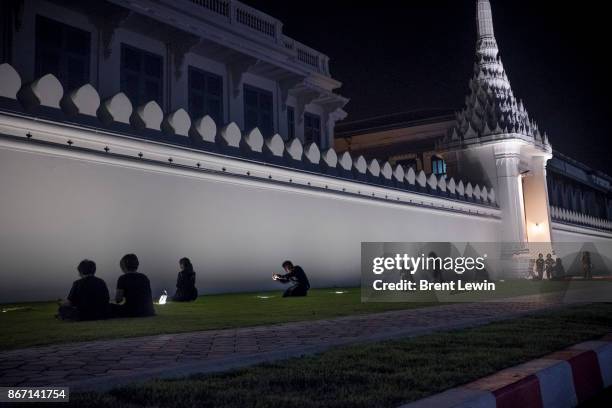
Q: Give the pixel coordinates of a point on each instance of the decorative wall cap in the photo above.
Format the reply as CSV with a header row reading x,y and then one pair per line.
x,y
275,145
255,140
312,153
178,122
117,108
115,116
206,129
294,148
10,81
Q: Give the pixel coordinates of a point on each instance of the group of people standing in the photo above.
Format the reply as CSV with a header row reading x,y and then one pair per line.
x,y
554,269
89,297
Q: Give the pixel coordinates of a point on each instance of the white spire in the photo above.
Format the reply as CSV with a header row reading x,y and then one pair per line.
x,y
484,19
491,107
486,47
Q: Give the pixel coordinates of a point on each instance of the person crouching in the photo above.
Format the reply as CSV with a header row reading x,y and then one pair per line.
x,y
295,274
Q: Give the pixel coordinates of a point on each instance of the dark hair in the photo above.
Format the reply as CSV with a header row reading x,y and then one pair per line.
x,y
129,262
87,267
287,263
540,254
186,264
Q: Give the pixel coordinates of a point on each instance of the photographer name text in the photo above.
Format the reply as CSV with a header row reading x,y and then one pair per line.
x,y
424,285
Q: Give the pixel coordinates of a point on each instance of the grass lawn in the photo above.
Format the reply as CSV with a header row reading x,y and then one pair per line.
x,y
33,324
384,374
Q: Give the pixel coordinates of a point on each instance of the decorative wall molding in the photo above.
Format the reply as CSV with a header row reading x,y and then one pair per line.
x,y
576,218
223,149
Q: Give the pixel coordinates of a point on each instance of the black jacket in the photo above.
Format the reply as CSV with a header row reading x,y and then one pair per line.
x,y
90,296
297,275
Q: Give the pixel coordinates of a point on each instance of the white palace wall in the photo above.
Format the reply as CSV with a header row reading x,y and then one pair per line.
x,y
58,210
84,178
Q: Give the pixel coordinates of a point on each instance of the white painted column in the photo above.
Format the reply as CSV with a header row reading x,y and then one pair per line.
x,y
510,192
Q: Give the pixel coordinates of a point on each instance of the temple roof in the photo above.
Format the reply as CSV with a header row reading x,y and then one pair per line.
x,y
491,109
399,120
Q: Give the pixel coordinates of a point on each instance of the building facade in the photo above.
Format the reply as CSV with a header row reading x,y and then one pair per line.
x,y
494,141
219,58
196,128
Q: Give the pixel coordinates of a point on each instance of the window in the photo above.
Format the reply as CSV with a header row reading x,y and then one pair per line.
x,y
141,75
63,51
258,110
312,128
205,95
438,166
290,122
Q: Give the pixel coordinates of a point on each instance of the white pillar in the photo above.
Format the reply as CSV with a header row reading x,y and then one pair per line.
x,y
510,192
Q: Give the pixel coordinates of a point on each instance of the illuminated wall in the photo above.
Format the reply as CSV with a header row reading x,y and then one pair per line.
x,y
58,210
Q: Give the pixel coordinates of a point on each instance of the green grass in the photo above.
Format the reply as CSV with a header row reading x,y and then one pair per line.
x,y
33,324
384,374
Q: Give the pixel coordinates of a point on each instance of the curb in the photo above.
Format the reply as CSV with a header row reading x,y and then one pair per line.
x,y
562,379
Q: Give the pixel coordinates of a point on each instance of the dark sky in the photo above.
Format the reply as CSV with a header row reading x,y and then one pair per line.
x,y
407,55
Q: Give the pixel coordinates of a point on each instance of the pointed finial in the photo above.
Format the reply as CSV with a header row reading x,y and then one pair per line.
x,y
485,19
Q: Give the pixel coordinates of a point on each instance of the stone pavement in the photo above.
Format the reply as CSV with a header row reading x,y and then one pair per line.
x,y
104,364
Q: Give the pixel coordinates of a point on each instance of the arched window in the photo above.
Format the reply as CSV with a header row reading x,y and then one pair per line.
x,y
438,166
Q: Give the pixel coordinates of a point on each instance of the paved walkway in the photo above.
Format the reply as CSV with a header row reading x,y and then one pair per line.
x,y
100,365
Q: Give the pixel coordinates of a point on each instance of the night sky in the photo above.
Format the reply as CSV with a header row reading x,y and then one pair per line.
x,y
410,55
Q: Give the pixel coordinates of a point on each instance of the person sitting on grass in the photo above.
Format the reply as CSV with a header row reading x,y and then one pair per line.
x,y
294,274
185,283
134,289
88,298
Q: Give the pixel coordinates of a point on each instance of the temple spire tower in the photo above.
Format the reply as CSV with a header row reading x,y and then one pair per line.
x,y
486,33
495,135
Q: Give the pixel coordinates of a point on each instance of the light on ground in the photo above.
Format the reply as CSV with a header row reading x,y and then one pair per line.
x,y
13,309
163,298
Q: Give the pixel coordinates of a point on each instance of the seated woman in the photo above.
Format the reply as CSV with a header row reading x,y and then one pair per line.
x,y
88,298
134,290
185,283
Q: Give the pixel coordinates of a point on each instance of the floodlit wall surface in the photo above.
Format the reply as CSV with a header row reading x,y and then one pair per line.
x,y
59,210
572,240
